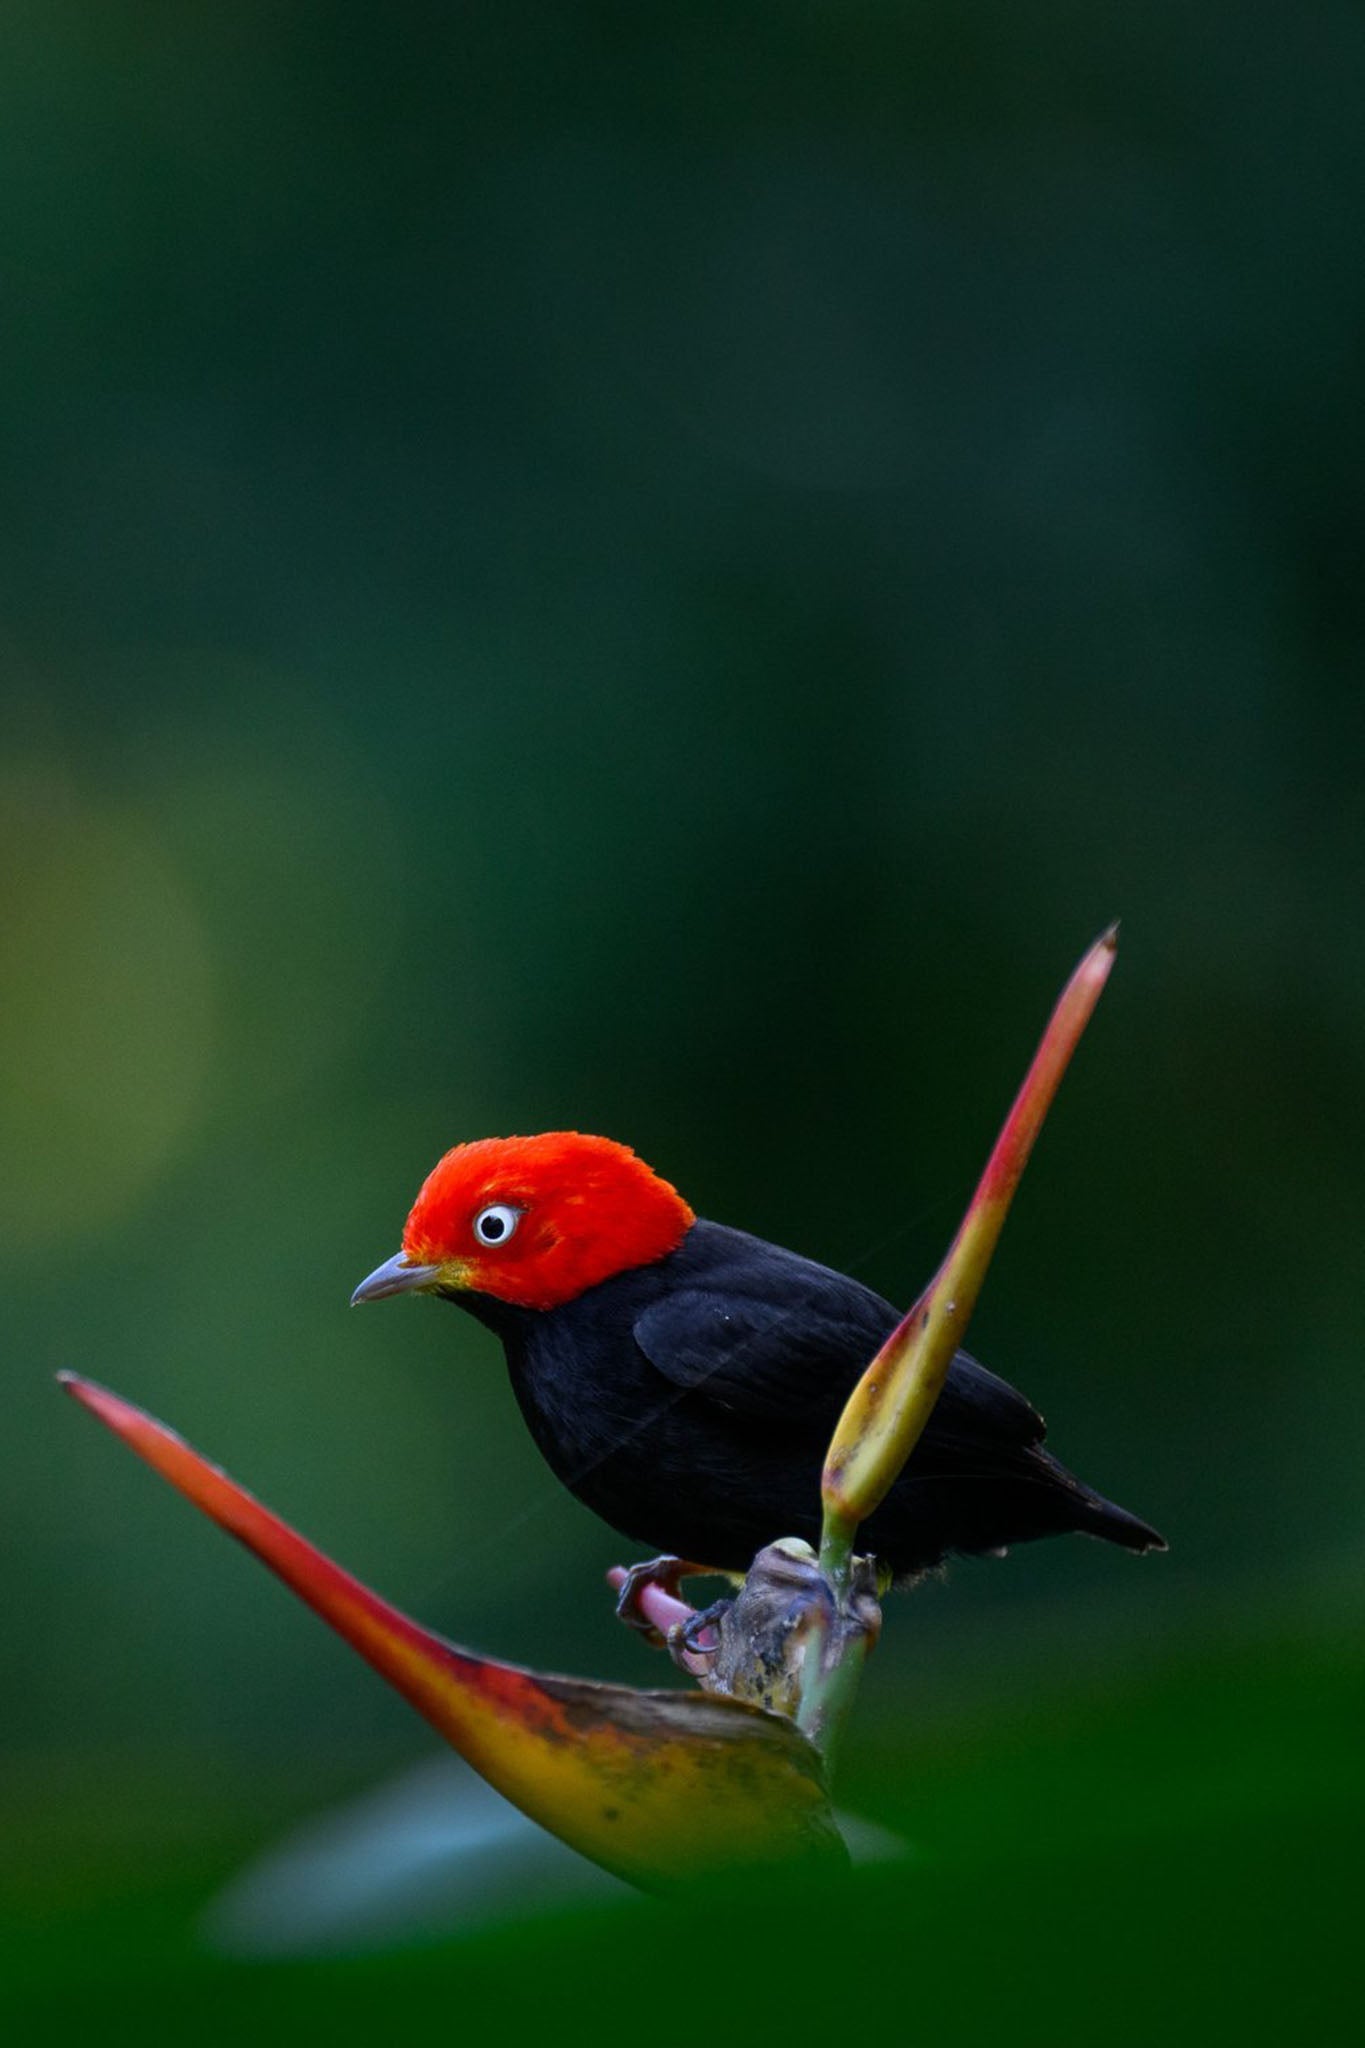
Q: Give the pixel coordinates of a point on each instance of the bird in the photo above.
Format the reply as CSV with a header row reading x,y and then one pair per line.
x,y
682,1378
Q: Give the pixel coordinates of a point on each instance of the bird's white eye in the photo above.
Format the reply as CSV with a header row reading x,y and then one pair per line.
x,y
495,1224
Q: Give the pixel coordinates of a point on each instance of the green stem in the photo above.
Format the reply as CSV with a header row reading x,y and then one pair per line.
x,y
832,1669
836,1549
828,1694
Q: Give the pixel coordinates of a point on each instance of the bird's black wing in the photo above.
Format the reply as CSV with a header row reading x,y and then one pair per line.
x,y
770,1334
792,1358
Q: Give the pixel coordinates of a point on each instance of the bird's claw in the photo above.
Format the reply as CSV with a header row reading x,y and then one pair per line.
x,y
691,1632
693,1644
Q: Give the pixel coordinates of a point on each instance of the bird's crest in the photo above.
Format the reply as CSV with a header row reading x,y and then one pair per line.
x,y
578,1210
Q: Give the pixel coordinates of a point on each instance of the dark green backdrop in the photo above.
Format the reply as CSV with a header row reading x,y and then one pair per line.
x,y
666,570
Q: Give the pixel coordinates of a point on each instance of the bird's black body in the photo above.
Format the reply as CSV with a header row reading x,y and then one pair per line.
x,y
690,1402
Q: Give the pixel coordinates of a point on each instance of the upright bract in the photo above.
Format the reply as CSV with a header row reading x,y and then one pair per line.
x,y
887,1411
885,1415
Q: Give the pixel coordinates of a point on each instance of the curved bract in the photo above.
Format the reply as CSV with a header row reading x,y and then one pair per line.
x,y
661,1788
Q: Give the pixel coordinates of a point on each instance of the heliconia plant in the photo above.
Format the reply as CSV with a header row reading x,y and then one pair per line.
x,y
670,1788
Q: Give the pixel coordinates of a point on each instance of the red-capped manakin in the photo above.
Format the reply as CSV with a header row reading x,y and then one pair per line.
x,y
683,1379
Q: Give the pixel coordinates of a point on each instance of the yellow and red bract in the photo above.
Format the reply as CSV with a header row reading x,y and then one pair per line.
x,y
662,1788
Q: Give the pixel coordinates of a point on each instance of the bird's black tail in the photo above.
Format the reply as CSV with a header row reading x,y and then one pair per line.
x,y
1065,1504
1097,1516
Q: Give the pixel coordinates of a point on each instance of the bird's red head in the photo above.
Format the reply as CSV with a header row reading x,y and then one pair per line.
x,y
533,1221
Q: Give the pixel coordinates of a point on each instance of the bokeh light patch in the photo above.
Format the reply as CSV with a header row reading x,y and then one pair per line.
x,y
107,1024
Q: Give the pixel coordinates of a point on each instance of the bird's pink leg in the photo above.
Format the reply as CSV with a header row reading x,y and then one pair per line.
x,y
647,1595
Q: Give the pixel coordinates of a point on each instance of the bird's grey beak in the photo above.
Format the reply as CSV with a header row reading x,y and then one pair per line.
x,y
397,1275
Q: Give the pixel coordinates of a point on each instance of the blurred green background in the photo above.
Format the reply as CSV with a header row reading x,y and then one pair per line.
x,y
666,571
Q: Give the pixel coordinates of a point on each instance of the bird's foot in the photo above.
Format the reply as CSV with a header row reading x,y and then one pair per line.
x,y
647,1596
694,1644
